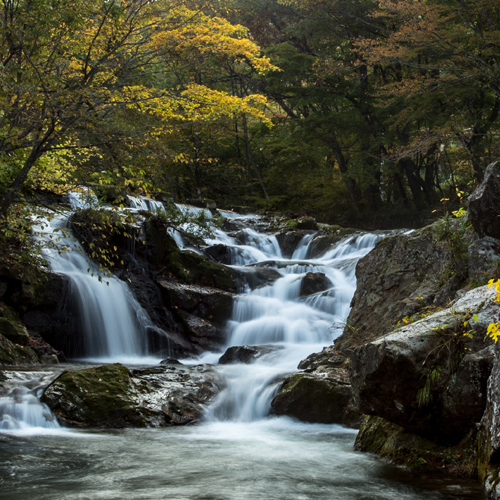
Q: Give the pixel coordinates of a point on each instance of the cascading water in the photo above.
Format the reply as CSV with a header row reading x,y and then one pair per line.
x,y
20,406
112,322
237,453
277,315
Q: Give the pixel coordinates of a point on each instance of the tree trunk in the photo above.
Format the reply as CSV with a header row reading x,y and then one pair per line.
x,y
251,161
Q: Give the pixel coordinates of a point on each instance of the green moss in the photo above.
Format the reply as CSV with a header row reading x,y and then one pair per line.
x,y
12,354
391,441
187,266
100,396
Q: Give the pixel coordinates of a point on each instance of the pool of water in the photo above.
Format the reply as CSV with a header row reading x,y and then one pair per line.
x,y
272,459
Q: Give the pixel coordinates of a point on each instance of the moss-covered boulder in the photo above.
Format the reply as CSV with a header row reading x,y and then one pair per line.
x,y
187,266
15,331
13,354
391,441
322,394
317,399
113,396
430,376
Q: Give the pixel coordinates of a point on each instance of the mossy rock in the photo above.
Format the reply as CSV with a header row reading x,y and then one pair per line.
x,y
391,441
187,266
13,354
316,399
14,330
103,396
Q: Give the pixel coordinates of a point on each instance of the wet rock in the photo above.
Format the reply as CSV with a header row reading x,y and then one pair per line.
x,y
207,303
288,241
484,259
420,376
203,334
112,396
171,343
170,361
324,396
403,274
327,357
314,283
187,266
247,353
392,442
14,331
308,223
13,354
219,253
484,204
256,276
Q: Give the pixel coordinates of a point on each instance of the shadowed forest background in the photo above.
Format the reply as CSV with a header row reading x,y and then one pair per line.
x,y
358,112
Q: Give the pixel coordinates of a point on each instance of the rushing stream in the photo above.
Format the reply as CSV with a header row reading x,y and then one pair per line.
x,y
238,452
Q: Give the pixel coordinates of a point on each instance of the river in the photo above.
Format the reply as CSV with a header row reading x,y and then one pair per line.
x,y
238,452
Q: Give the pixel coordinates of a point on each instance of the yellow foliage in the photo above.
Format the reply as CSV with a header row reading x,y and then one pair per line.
x,y
494,328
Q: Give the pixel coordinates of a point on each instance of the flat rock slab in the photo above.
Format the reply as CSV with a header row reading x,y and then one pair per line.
x,y
113,396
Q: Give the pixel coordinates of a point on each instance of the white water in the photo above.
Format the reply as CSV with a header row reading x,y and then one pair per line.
x,y
238,453
112,322
277,315
20,407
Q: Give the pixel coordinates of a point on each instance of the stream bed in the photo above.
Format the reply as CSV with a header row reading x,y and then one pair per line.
x,y
238,452
272,459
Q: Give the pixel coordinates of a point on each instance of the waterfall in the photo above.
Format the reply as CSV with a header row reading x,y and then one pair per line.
x,y
113,324
20,406
277,315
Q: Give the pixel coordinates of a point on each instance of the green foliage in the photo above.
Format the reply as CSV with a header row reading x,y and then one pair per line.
x,y
20,257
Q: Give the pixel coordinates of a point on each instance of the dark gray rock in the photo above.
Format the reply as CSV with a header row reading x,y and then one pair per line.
x,y
112,396
421,378
313,283
323,394
484,259
203,334
219,253
484,204
489,435
289,240
308,223
247,353
207,303
403,274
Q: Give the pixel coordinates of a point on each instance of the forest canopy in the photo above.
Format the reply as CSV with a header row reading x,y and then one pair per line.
x,y
338,108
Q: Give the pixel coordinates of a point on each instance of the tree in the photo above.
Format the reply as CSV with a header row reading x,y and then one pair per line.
x,y
68,69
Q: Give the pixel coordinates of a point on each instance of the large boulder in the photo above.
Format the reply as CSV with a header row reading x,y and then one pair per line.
x,y
14,354
489,435
322,394
113,396
430,377
205,302
403,274
201,311
484,204
392,442
186,266
289,239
